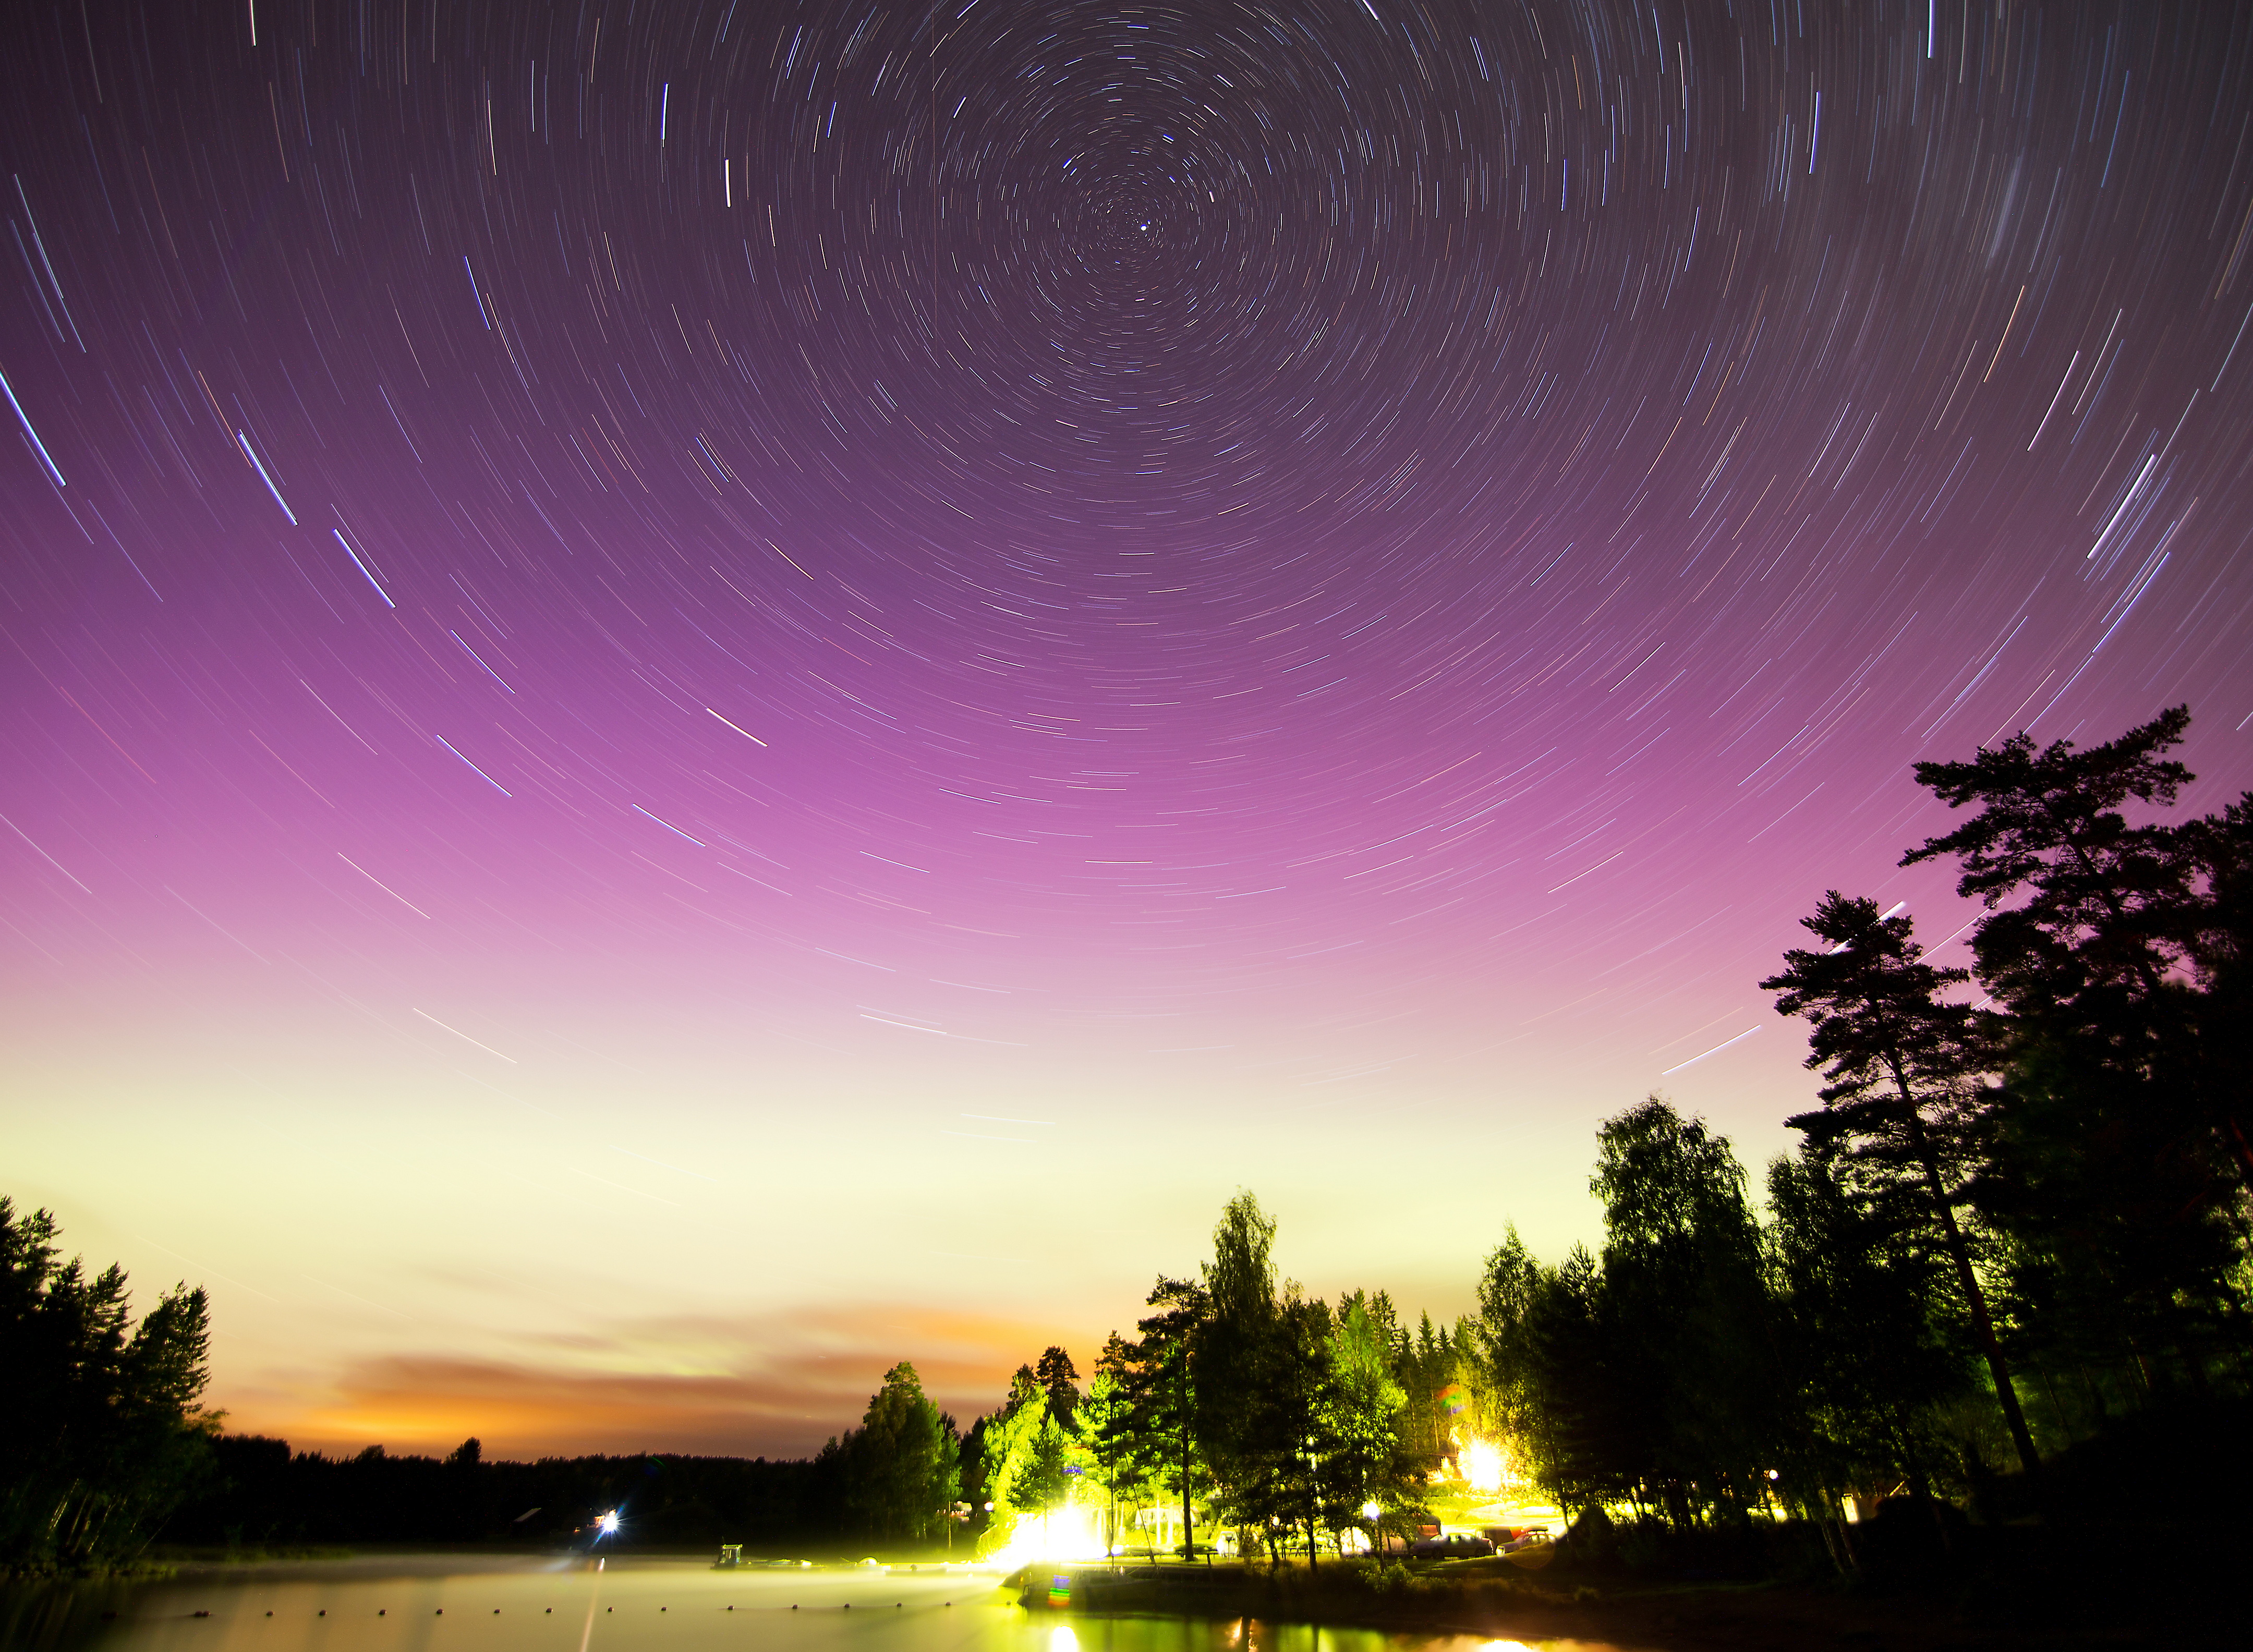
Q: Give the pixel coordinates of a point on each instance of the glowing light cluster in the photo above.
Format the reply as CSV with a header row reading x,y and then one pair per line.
x,y
1068,1532
1483,1466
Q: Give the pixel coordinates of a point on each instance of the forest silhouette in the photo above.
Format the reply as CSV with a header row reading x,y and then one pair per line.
x,y
2011,1244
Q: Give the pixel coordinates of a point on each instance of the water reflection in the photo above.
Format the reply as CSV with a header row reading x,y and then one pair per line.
x,y
456,1604
58,1615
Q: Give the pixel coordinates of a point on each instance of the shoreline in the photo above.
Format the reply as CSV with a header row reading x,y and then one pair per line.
x,y
2126,1601
1649,1617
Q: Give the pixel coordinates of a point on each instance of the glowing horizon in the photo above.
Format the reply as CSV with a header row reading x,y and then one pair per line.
x,y
693,713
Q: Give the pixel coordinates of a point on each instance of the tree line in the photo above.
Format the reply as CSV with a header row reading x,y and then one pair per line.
x,y
262,1495
1236,1403
2019,1213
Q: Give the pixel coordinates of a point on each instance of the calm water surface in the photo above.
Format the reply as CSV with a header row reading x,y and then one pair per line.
x,y
453,1604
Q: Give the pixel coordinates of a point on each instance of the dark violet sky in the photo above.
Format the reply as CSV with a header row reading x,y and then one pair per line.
x,y
702,695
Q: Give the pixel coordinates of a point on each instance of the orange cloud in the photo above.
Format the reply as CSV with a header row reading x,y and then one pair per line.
x,y
771,1387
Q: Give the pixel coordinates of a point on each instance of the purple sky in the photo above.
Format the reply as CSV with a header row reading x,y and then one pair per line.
x,y
701,695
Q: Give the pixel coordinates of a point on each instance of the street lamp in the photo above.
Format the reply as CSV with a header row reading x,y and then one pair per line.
x,y
1372,1513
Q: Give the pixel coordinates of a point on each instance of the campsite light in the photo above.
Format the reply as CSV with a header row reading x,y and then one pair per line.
x,y
1482,1466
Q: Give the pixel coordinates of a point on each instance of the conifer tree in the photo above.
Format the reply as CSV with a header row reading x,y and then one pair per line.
x,y
1904,1096
1162,1387
2120,1163
108,1434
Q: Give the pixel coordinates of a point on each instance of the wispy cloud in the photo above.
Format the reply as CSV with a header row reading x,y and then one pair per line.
x,y
774,1385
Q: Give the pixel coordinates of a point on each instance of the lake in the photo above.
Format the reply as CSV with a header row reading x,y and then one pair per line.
x,y
456,1603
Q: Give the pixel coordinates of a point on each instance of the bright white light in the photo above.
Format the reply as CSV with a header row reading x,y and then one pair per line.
x,y
1481,1465
1066,1533
607,1525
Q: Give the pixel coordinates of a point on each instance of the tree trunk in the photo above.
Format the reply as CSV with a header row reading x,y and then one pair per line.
x,y
1835,1520
1188,1533
1997,1369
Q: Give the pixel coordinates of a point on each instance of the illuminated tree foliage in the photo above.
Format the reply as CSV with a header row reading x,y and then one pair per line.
x,y
1036,1480
1424,1361
1004,1443
1241,1405
1365,1400
1162,1385
1107,1439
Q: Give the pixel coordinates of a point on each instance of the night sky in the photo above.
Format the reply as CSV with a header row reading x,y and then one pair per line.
x,y
702,694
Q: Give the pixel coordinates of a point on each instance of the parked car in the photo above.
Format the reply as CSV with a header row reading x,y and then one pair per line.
x,y
1510,1539
1451,1545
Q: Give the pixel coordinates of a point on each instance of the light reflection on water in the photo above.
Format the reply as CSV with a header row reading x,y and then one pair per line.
x,y
456,1604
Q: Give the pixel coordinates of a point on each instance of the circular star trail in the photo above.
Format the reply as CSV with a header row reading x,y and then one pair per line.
x,y
640,594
